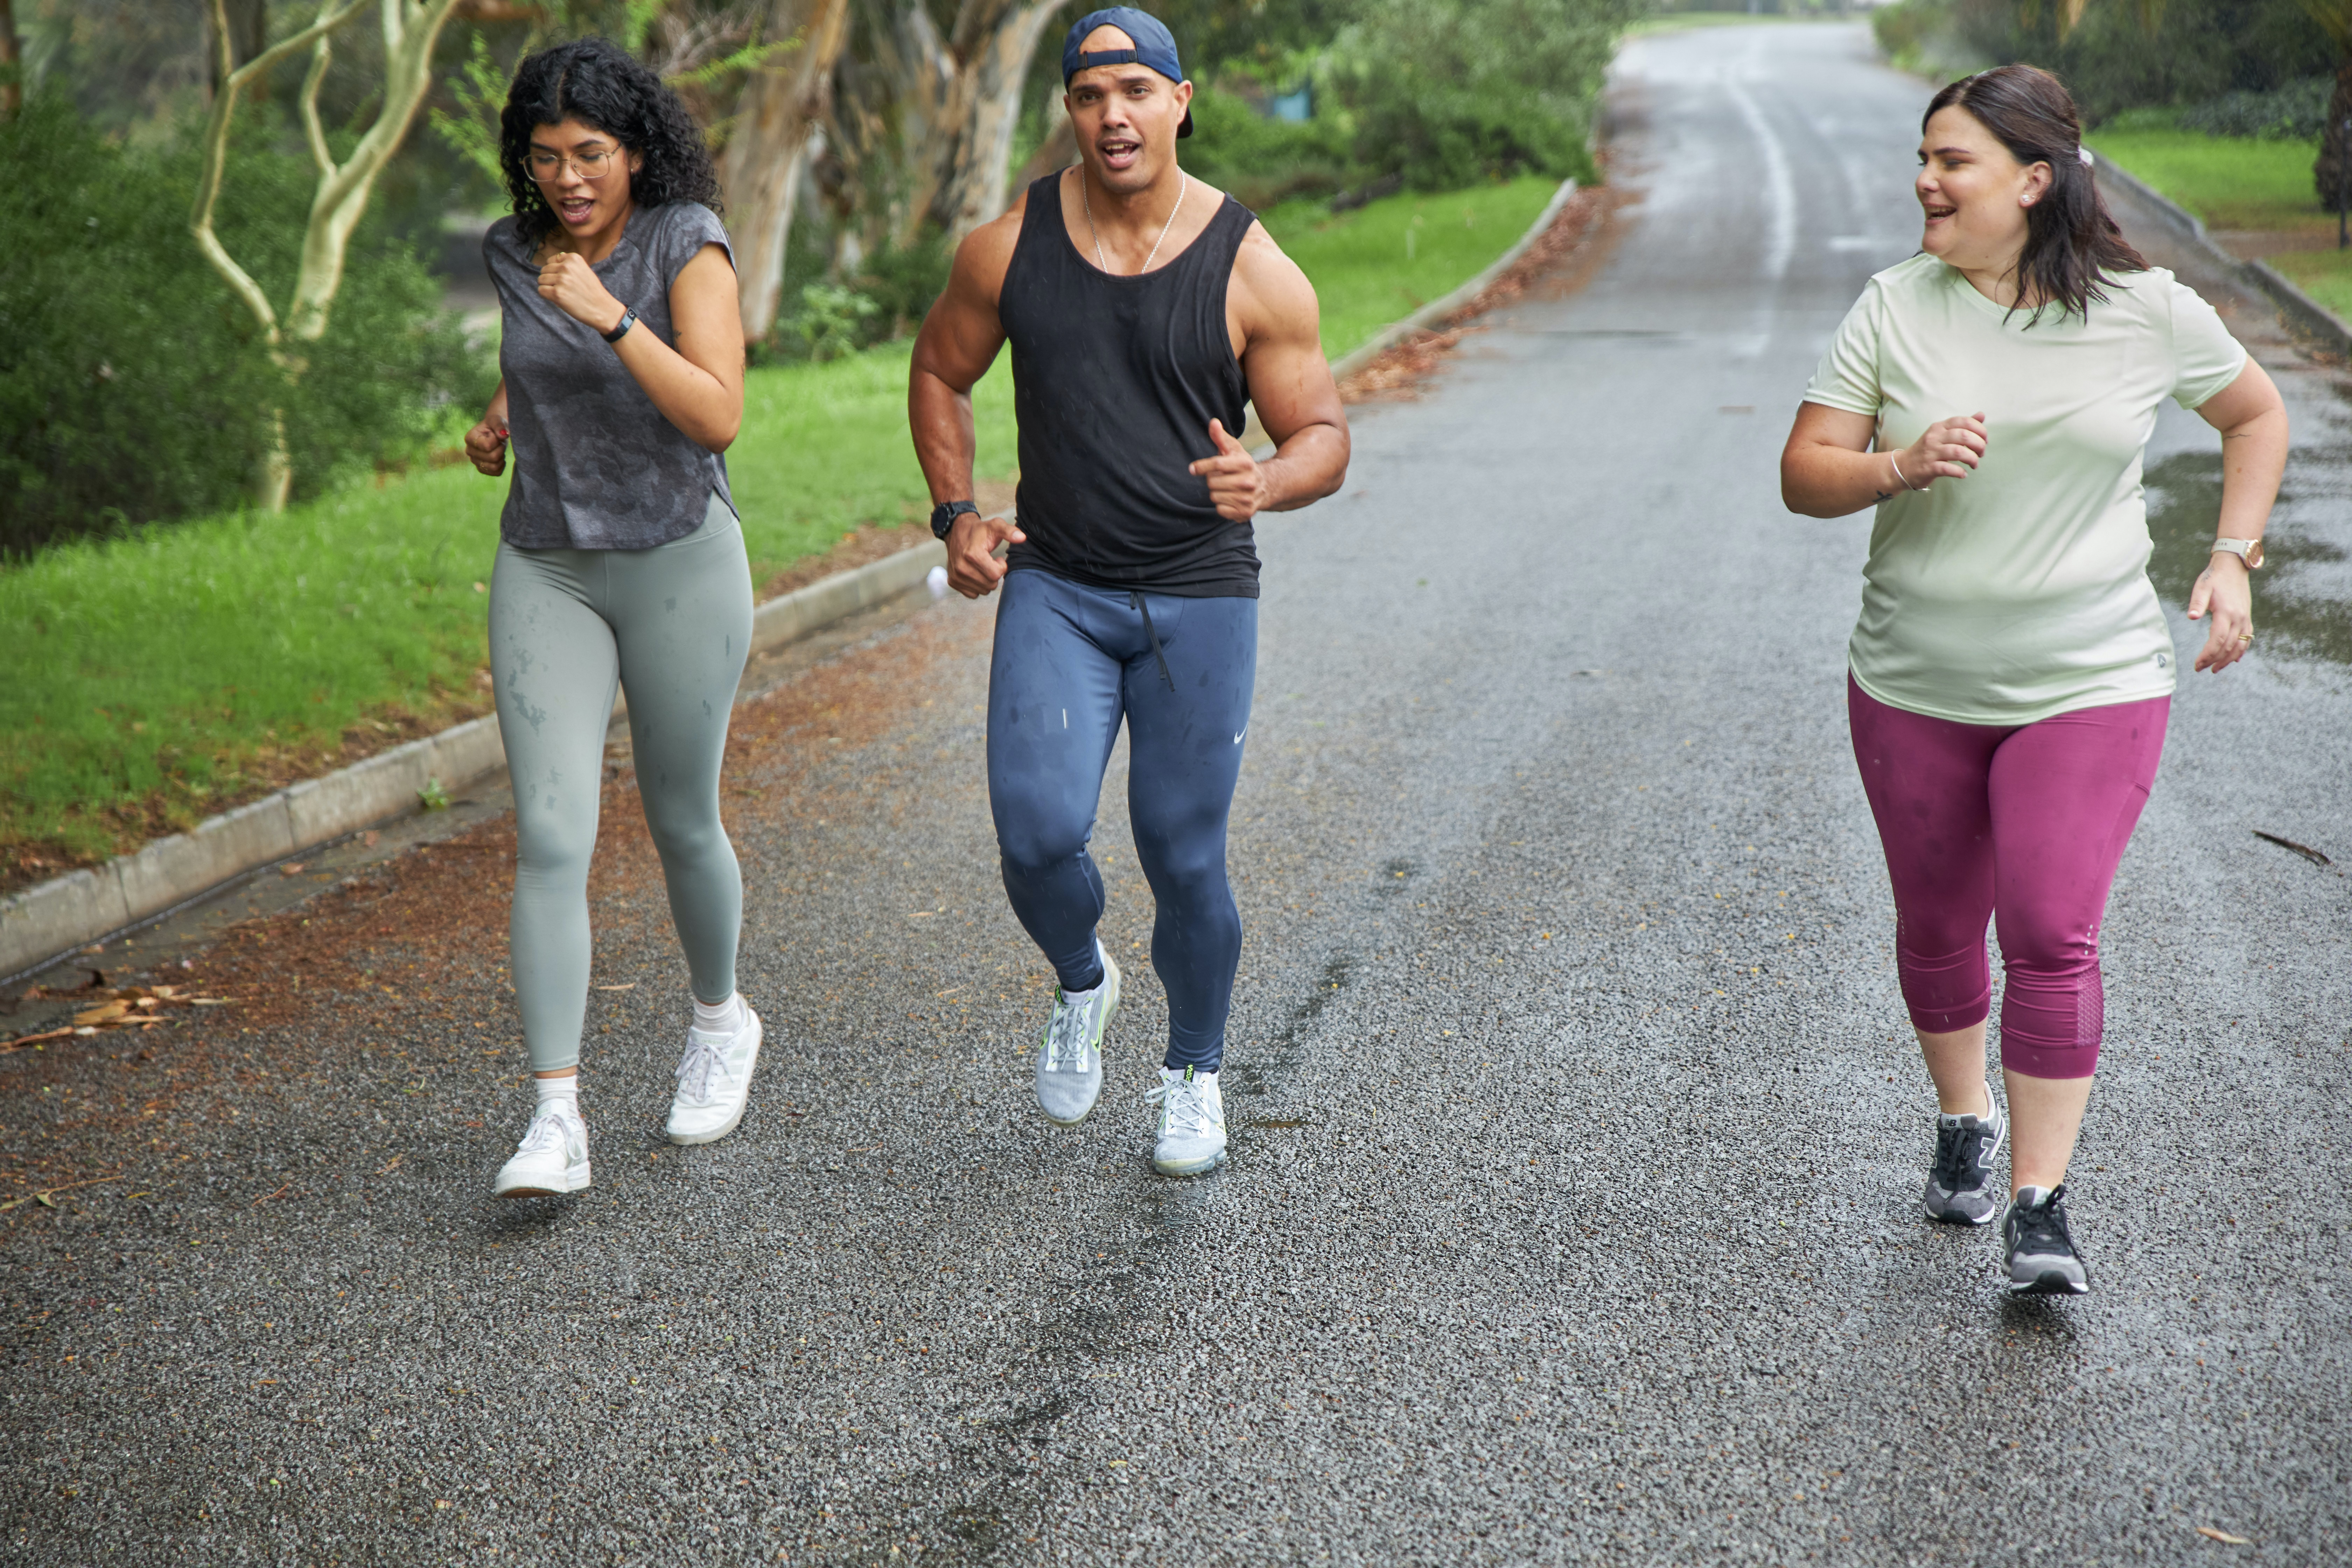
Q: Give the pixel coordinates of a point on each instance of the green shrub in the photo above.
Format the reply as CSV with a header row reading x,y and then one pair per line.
x,y
1261,160
134,389
2296,112
1448,92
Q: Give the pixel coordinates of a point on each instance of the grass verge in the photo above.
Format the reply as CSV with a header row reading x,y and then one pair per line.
x,y
2230,181
162,678
1385,261
159,678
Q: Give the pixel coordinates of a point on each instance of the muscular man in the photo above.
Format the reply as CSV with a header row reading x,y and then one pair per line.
x,y
1144,310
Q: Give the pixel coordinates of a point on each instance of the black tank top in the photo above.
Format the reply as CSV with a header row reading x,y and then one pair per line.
x,y
1115,380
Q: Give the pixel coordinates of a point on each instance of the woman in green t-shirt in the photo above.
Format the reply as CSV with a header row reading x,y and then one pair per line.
x,y
2011,672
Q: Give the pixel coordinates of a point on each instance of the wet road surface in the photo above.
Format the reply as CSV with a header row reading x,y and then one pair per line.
x,y
1572,1213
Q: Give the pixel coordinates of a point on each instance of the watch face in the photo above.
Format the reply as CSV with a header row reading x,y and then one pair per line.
x,y
2253,554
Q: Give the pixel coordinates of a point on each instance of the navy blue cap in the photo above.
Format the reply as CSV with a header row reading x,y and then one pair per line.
x,y
1155,46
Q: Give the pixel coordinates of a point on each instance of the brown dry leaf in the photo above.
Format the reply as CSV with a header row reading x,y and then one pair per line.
x,y
105,1013
2223,1536
390,1164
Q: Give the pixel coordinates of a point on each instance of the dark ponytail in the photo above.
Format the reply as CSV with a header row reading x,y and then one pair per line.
x,y
2072,245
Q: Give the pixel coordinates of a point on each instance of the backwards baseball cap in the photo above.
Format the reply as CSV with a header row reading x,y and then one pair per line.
x,y
1155,46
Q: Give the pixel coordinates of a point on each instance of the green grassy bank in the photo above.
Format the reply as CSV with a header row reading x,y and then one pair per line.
x,y
157,678
2240,185
1383,261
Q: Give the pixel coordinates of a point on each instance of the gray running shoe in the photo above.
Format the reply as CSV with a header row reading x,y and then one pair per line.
x,y
2039,1252
1191,1138
1960,1189
1069,1058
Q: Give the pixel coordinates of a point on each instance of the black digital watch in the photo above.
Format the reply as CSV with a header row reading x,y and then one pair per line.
x,y
943,515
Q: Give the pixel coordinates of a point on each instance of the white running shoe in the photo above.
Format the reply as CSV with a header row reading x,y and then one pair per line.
x,y
1069,1058
714,1079
553,1158
1191,1122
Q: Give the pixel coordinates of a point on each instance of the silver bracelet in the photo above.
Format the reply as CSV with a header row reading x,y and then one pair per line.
x,y
1899,479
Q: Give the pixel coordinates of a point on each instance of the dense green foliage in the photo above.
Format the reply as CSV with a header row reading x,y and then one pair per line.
x,y
1448,92
133,388
2119,56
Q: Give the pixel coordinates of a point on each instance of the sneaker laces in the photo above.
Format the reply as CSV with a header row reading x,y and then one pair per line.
x,y
1184,1106
705,1058
1958,1147
2041,1227
545,1131
1065,1033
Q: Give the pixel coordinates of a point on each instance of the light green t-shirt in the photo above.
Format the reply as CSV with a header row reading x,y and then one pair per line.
x,y
2020,591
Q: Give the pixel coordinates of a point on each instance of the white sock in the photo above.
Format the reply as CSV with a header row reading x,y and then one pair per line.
x,y
558,1094
722,1019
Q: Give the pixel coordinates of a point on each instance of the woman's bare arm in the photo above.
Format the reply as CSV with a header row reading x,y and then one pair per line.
x,y
1828,469
698,385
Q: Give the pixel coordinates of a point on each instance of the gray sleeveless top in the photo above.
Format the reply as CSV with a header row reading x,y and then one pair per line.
x,y
596,465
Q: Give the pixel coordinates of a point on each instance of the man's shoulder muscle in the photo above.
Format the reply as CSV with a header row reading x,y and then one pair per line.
x,y
1273,298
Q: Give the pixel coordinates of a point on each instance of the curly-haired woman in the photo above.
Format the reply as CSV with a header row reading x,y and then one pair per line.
x,y
2012,670
620,560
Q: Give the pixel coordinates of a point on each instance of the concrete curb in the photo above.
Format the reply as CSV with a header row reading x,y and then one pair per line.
x,y
1437,309
45,923
2307,314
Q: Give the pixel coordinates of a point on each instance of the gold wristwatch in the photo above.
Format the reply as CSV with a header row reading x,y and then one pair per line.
x,y
2248,551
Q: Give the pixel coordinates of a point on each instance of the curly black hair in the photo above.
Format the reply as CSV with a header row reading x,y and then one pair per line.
x,y
597,81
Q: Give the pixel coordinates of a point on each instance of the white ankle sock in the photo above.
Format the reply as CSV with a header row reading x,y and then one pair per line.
x,y
552,1091
722,1019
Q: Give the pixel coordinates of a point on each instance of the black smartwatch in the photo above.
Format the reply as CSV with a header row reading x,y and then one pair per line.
x,y
621,328
943,515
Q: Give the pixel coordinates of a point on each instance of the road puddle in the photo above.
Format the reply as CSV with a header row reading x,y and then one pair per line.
x,y
2296,608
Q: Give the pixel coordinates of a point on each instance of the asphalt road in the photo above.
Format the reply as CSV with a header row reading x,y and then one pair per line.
x,y
1572,1212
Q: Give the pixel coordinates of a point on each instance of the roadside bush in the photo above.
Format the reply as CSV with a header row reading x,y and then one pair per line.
x,y
2296,112
1261,161
1445,93
134,389
2120,57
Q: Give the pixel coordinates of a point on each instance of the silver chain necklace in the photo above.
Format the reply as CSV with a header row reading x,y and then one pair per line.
x,y
1182,192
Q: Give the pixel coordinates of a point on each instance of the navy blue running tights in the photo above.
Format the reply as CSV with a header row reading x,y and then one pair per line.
x,y
1071,662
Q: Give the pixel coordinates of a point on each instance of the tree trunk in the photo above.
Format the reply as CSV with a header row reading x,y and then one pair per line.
x,y
761,169
1056,152
2329,174
12,64
411,27
248,22
974,192
960,100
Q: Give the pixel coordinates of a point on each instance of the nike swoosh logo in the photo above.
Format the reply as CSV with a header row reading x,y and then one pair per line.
x,y
1237,738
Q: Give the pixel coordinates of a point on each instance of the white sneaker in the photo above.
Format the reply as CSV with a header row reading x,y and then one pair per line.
x,y
714,1079
1191,1122
1069,1058
553,1158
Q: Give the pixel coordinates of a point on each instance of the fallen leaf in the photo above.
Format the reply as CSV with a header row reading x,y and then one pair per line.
x,y
101,1014
290,868
632,986
2207,1531
2305,850
388,1164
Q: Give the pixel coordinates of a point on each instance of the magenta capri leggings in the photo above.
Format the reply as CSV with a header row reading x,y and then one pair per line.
x,y
2024,826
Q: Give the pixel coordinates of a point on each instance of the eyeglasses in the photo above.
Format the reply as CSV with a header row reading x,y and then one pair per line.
x,y
545,165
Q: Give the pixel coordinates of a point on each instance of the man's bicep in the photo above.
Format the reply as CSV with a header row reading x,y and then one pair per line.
x,y
961,335
1289,380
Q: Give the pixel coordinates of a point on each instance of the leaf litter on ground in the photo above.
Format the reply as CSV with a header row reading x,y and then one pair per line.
x,y
113,1007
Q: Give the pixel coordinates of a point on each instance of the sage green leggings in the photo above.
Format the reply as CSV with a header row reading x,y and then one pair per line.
x,y
670,626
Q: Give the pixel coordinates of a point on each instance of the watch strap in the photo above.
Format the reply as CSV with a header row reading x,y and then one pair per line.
x,y
2248,551
943,515
621,328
